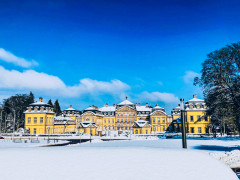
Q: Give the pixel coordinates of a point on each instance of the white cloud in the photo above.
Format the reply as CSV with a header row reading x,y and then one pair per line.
x,y
189,77
159,96
11,58
32,80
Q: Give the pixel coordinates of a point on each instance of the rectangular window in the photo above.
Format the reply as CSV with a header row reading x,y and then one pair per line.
x,y
163,120
34,131
112,120
159,120
35,120
192,129
191,118
29,120
199,130
154,120
121,120
108,120
163,128
41,119
198,118
206,118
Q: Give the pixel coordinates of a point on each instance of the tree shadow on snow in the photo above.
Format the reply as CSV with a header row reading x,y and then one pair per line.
x,y
217,148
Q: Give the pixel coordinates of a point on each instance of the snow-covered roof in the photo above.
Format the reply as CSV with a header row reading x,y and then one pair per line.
x,y
39,103
107,108
196,100
86,124
158,107
126,102
143,108
141,122
90,108
70,109
61,118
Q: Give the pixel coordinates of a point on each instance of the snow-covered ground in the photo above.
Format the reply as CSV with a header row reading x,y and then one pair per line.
x,y
136,159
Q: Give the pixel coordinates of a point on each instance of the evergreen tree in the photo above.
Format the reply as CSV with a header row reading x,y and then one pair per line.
x,y
220,80
57,108
30,98
50,102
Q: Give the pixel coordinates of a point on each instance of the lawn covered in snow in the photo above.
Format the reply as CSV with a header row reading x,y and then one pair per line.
x,y
138,159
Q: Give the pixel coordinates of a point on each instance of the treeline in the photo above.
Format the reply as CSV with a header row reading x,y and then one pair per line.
x,y
12,111
220,80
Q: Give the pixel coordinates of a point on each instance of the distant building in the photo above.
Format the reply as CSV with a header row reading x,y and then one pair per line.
x,y
196,119
125,117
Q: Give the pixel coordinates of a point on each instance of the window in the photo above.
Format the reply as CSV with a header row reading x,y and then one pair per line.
x,y
192,129
34,131
146,131
191,118
29,120
133,119
154,120
159,120
126,128
41,119
113,127
199,130
118,120
163,120
121,114
206,118
130,114
47,119
35,120
130,121
108,120
125,120
126,114
163,128
121,120
136,131
112,120
104,120
92,119
198,118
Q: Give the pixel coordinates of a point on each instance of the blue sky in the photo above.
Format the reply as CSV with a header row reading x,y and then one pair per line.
x,y
97,52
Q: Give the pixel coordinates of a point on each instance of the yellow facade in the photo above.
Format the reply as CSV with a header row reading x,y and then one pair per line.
x,y
197,122
159,121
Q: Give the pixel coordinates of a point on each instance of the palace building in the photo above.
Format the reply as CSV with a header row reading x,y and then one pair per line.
x,y
197,120
125,117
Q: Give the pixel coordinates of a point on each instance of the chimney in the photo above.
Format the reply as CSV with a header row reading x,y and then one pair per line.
x,y
139,104
113,105
70,106
194,96
146,104
156,105
106,104
40,99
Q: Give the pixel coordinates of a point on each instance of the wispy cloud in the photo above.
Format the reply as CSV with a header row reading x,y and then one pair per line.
x,y
48,84
189,77
11,58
